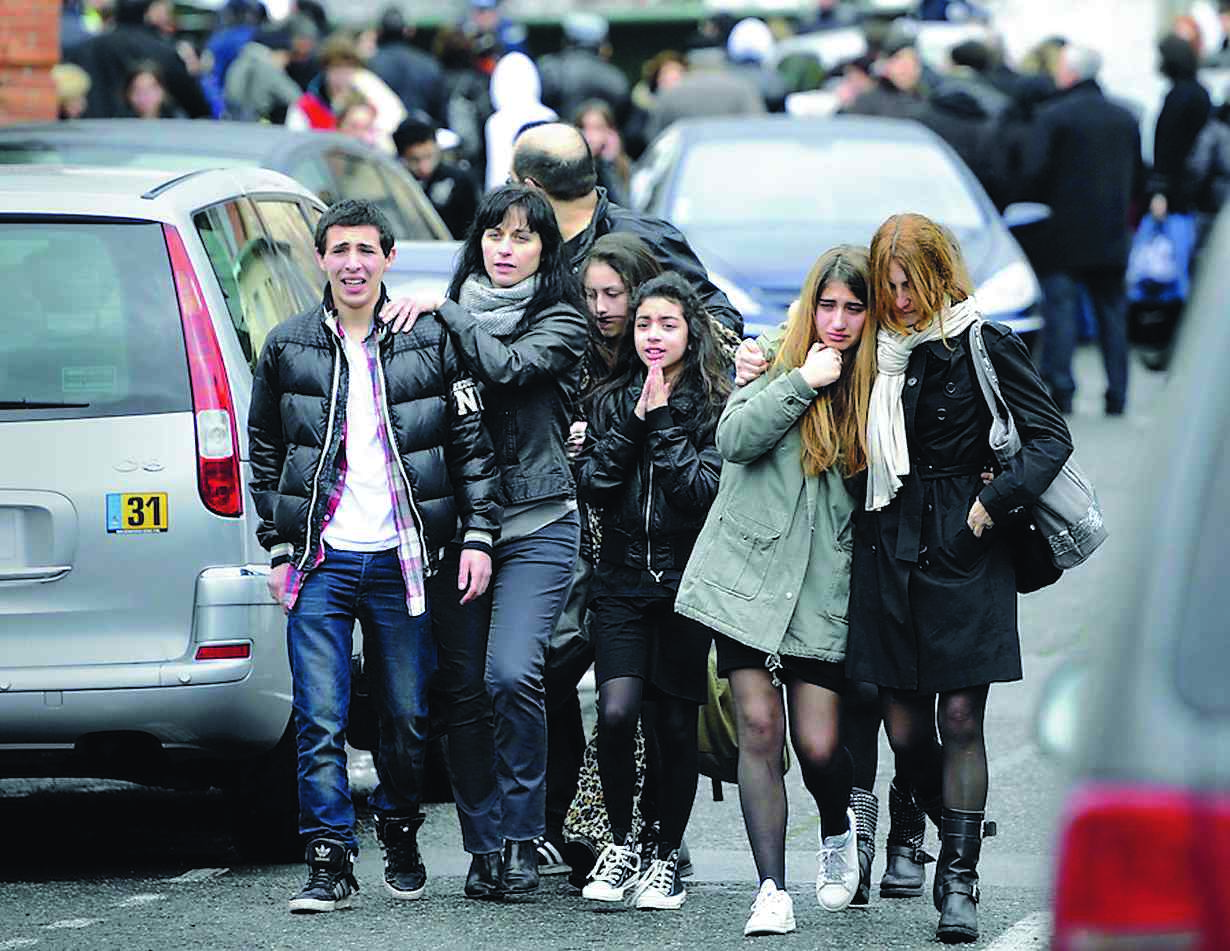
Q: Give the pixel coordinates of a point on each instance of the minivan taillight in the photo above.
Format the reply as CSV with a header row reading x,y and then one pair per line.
x,y
217,439
1141,867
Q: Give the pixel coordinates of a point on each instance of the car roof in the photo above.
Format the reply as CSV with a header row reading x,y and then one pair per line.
x,y
189,136
125,192
809,127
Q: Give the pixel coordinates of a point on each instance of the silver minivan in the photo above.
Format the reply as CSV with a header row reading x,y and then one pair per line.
x,y
137,638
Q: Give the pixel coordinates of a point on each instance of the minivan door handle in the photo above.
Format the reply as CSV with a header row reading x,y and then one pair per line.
x,y
41,573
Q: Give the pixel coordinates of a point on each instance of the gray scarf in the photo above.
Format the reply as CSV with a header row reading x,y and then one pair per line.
x,y
498,310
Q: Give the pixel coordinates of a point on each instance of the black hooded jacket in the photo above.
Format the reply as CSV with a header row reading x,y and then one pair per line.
x,y
296,428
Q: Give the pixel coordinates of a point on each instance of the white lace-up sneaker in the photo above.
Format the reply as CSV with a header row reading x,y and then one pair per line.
x,y
660,888
772,911
614,874
837,878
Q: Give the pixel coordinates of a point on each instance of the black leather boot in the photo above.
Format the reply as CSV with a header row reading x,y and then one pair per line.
x,y
519,876
866,808
956,876
483,879
904,873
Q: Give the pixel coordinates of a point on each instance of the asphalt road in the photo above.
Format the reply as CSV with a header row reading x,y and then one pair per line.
x,y
113,866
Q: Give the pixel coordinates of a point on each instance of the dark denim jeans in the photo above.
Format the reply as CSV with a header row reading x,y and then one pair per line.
x,y
400,656
1062,295
492,655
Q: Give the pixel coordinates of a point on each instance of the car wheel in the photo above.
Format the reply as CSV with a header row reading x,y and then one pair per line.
x,y
265,802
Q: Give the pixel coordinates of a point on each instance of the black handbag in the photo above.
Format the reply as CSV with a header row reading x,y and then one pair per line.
x,y
1031,555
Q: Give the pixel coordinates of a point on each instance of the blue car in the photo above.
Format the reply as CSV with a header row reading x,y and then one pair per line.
x,y
759,198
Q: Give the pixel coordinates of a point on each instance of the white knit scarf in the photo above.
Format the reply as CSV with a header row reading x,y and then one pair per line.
x,y
888,452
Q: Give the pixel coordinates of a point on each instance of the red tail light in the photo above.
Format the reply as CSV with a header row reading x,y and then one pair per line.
x,y
1142,868
224,652
217,438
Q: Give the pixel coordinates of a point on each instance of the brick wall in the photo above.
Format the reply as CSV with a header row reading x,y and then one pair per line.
x,y
29,47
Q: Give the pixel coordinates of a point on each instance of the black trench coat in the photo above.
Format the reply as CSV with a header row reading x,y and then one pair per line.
x,y
932,608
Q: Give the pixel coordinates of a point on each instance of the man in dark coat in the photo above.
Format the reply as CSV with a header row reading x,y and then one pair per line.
x,y
414,75
448,187
582,71
1088,169
109,58
556,159
1184,112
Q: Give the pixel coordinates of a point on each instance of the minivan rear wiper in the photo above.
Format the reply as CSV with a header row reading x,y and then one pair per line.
x,y
39,404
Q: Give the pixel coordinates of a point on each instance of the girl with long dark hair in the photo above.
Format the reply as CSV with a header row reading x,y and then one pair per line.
x,y
650,463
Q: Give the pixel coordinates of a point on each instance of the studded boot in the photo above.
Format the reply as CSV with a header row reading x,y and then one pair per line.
x,y
866,808
955,889
904,872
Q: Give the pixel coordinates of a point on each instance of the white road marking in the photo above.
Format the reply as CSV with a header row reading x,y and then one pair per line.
x,y
137,900
1028,934
73,924
11,944
197,875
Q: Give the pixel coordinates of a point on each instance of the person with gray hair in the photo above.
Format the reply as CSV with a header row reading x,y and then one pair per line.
x,y
1087,167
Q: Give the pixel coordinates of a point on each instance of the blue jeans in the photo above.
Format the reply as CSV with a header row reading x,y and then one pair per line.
x,y
492,656
1062,296
400,657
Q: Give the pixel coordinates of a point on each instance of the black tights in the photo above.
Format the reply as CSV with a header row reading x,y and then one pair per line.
x,y
955,773
670,725
761,712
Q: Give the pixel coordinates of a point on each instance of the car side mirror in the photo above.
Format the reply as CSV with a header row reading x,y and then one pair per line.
x,y
1021,214
1064,697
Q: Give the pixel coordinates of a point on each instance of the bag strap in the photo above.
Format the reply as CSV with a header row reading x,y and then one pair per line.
x,y
988,382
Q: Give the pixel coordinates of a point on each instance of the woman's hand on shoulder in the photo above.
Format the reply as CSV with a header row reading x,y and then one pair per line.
x,y
822,366
401,314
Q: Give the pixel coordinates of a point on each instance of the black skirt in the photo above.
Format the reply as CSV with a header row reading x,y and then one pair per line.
x,y
732,655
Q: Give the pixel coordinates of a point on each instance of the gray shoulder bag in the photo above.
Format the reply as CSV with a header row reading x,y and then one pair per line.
x,y
1067,513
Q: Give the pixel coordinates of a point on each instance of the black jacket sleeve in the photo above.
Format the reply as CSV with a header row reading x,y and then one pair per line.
x,y
1046,443
553,345
267,444
610,455
687,474
469,456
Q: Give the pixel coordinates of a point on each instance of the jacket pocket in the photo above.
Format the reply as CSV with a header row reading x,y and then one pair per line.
x,y
742,554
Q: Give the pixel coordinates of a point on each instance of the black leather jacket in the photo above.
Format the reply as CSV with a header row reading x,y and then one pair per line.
x,y
531,386
296,425
653,479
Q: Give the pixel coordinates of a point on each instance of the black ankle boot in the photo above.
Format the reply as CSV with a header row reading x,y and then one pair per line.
x,y
483,880
904,872
956,876
866,808
519,876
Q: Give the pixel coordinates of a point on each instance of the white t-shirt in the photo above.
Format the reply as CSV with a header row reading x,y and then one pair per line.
x,y
363,519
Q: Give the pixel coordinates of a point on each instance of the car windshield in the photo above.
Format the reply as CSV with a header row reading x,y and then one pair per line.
x,y
94,154
843,182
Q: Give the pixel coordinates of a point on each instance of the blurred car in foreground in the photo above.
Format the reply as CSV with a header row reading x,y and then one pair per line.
x,y
330,164
137,638
761,198
1145,723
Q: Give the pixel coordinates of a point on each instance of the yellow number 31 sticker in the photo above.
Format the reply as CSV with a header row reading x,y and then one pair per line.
x,y
133,512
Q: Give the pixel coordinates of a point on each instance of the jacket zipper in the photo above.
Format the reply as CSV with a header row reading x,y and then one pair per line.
x,y
657,575
320,466
388,429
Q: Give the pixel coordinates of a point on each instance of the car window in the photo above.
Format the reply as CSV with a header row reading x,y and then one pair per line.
x,y
857,182
118,155
312,174
415,209
358,177
1203,661
254,272
90,318
290,232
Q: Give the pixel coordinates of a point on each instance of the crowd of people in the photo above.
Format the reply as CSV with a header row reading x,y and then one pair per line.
x,y
569,458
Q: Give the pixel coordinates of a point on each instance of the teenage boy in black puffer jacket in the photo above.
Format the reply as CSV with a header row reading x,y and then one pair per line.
x,y
366,447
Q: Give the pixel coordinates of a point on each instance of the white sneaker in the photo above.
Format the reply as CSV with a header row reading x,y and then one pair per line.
x,y
613,875
837,878
772,911
660,888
